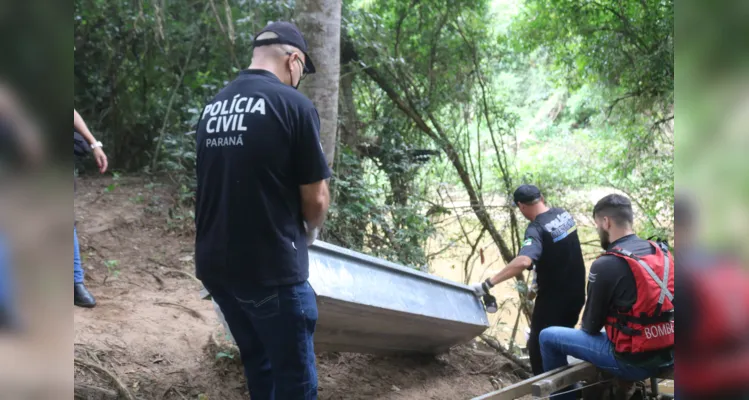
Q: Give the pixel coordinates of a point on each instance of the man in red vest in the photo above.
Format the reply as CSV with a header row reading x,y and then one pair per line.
x,y
628,324
713,316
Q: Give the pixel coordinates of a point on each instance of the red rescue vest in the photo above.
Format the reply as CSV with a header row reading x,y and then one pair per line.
x,y
649,324
717,354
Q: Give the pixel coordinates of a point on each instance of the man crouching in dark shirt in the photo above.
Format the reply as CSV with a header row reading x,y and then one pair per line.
x,y
631,348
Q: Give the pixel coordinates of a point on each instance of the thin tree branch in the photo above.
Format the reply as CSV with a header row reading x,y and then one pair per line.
x,y
121,388
466,271
399,25
433,53
613,104
155,158
227,34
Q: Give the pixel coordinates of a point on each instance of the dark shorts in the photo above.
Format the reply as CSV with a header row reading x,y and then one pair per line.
x,y
273,328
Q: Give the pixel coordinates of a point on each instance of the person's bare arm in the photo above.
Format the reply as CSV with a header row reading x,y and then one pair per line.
x,y
531,250
80,126
315,203
513,269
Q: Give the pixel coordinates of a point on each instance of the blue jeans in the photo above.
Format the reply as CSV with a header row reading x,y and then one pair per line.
x,y
7,304
557,343
77,270
273,328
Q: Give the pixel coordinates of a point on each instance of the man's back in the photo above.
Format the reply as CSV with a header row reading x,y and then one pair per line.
x,y
560,267
611,283
257,142
611,287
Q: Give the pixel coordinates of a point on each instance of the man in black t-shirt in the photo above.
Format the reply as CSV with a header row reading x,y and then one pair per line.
x,y
611,286
551,243
262,195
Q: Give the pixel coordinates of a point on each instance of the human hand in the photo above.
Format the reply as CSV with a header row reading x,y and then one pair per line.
x,y
101,159
482,288
311,234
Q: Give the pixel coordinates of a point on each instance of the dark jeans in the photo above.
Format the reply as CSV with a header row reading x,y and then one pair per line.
x,y
547,313
273,327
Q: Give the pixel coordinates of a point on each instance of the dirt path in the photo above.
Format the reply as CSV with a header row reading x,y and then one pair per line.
x,y
151,330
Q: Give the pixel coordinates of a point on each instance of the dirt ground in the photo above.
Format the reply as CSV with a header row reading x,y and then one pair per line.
x,y
153,334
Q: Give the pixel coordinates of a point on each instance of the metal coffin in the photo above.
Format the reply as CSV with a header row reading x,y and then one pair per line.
x,y
369,305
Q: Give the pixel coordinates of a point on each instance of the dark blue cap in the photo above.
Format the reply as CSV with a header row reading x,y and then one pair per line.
x,y
289,34
526,194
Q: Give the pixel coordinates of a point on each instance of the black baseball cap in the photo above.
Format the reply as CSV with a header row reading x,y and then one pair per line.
x,y
289,34
526,194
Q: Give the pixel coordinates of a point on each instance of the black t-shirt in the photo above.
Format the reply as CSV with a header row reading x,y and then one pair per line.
x,y
611,286
257,142
552,243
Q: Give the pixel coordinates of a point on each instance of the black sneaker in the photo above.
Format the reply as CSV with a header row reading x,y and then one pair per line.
x,y
82,298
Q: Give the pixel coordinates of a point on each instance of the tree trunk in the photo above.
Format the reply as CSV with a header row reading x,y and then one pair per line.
x,y
349,118
320,23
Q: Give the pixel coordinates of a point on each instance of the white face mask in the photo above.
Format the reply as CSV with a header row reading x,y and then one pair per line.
x,y
291,74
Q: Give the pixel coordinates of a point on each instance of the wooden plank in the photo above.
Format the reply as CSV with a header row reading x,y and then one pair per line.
x,y
522,388
545,387
542,386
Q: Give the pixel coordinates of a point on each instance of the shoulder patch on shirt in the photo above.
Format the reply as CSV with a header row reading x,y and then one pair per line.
x,y
527,242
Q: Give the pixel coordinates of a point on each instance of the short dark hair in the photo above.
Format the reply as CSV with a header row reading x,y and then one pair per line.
x,y
616,207
532,202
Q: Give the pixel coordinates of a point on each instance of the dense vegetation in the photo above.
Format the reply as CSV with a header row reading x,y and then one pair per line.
x,y
444,107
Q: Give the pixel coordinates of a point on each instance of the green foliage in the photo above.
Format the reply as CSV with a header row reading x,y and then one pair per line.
x,y
143,69
623,44
115,183
421,47
223,354
112,270
364,216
